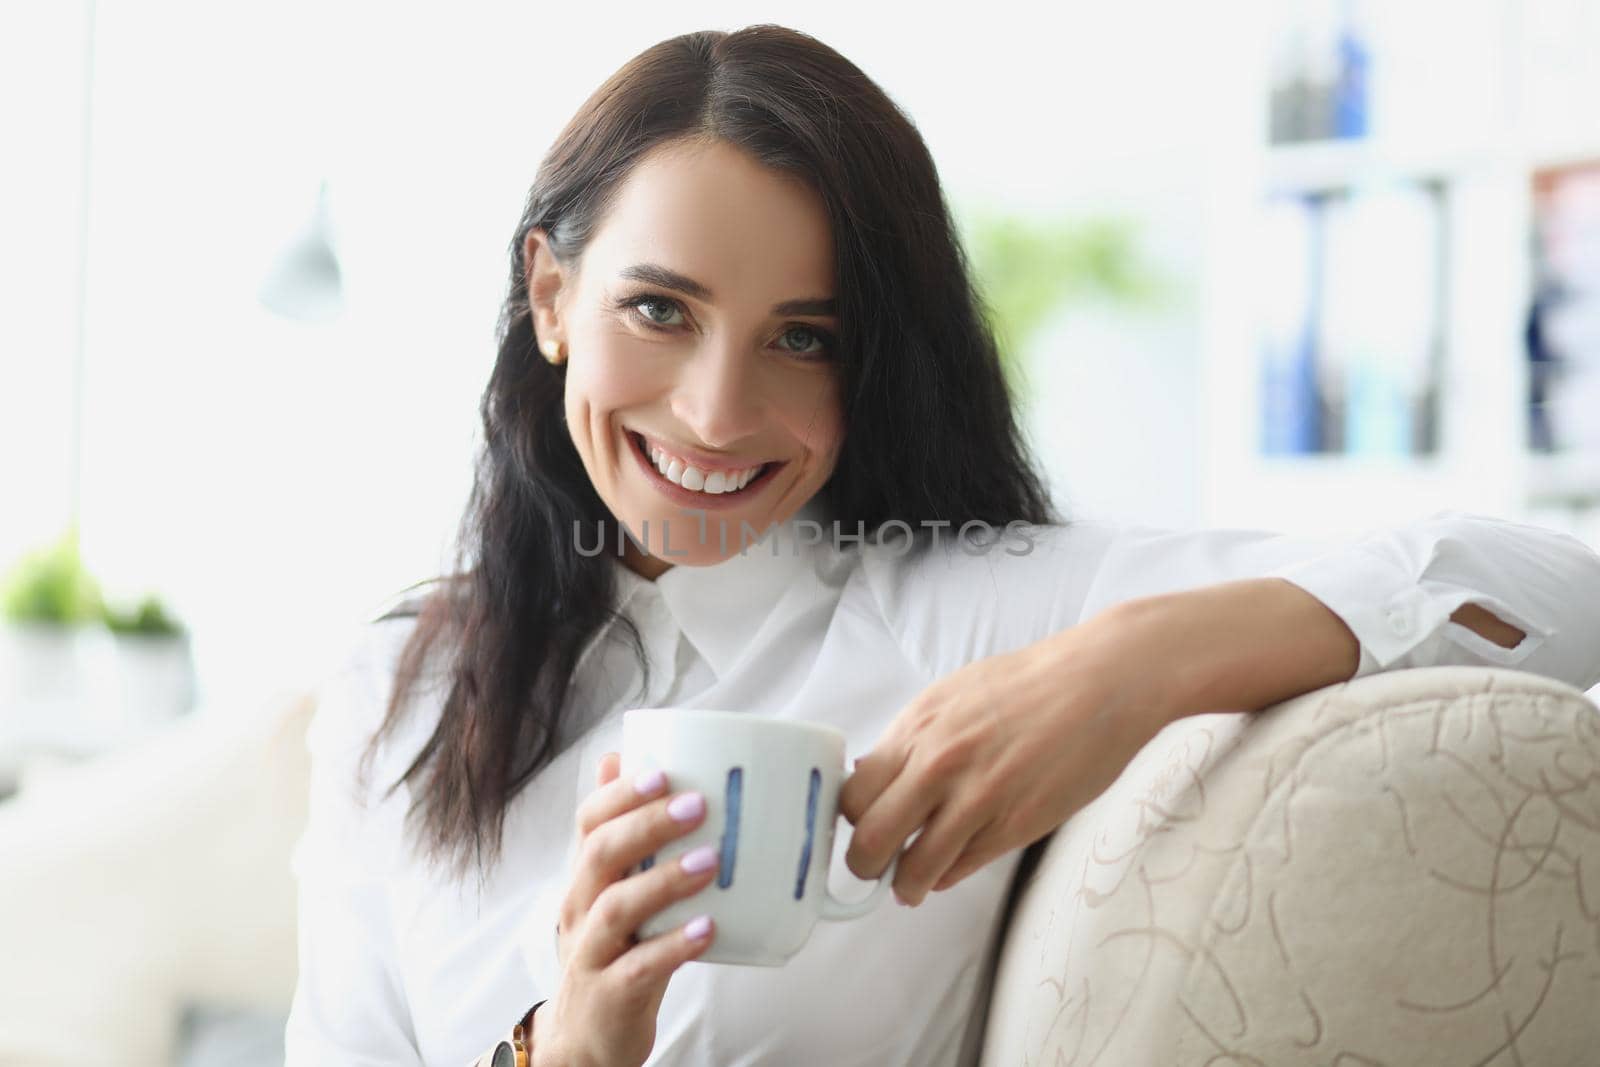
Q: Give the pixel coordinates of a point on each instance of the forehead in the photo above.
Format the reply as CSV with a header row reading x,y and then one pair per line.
x,y
714,213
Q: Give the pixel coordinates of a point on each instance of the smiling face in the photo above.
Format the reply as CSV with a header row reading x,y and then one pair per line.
x,y
701,357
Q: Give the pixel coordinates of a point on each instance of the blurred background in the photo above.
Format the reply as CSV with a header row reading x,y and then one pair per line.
x,y
1306,265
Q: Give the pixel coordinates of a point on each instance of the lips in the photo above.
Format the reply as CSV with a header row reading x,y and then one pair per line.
x,y
699,477
696,497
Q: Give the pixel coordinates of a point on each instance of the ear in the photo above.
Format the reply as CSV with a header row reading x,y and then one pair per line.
x,y
547,281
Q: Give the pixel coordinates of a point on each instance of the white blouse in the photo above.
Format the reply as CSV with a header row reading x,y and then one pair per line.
x,y
400,966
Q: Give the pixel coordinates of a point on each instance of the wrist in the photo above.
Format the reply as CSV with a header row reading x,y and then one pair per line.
x,y
546,1043
1236,646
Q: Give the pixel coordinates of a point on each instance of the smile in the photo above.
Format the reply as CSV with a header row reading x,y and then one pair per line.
x,y
682,479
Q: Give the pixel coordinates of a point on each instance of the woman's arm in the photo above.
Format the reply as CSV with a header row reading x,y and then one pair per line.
x,y
1407,592
1248,644
1002,748
1458,589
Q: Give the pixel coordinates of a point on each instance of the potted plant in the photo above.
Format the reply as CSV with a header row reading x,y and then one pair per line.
x,y
1029,267
154,660
52,641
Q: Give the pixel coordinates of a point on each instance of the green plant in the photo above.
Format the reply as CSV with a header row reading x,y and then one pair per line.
x,y
52,586
149,619
1026,268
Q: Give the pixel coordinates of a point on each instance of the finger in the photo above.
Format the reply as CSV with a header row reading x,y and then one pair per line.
x,y
896,813
623,906
610,767
872,774
614,796
654,959
984,848
615,846
943,840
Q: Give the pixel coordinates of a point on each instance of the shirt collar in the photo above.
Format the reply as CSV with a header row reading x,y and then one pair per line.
x,y
721,607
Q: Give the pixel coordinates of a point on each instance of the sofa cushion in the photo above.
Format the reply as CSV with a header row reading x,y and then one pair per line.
x,y
148,881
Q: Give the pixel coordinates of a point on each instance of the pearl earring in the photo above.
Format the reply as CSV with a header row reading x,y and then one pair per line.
x,y
553,351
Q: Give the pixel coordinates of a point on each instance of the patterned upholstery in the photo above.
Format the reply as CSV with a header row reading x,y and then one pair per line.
x,y
1400,870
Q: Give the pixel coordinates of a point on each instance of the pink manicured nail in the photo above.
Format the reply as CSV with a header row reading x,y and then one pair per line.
x,y
649,782
697,927
701,859
686,806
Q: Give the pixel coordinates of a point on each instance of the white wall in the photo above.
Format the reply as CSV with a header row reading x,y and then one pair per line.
x,y
42,89
276,481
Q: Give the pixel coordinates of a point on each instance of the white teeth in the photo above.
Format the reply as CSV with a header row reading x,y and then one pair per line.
x,y
674,470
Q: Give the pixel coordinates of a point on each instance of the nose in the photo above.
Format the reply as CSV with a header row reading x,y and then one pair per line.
x,y
719,396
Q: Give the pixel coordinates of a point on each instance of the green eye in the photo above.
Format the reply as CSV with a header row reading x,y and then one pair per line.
x,y
645,301
635,303
816,335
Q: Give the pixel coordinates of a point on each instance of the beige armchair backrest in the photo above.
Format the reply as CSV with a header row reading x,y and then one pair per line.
x,y
1404,869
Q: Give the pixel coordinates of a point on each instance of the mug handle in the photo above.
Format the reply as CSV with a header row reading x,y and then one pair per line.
x,y
834,908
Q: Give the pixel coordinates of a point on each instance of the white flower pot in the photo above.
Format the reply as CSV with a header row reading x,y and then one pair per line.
x,y
157,678
54,681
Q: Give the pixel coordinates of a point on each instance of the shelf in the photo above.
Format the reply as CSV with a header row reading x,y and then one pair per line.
x,y
1554,155
1564,480
1331,166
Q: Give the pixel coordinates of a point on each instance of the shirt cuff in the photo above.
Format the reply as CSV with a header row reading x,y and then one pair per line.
x,y
1399,618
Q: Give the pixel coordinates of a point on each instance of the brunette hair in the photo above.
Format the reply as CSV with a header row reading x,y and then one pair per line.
x,y
930,432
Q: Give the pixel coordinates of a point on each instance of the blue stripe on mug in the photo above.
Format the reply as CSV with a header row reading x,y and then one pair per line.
x,y
730,827
811,825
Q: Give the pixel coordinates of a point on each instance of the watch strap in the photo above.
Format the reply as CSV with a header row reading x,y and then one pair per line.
x,y
513,1051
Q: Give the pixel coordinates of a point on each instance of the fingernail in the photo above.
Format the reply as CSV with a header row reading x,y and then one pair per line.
x,y
686,806
649,782
701,859
697,927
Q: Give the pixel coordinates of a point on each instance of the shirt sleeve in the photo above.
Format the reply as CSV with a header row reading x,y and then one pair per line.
x,y
1394,587
349,1005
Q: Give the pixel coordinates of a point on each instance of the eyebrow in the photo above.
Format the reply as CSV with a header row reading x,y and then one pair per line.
x,y
655,274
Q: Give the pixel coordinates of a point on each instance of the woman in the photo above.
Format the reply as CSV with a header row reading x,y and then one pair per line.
x,y
737,304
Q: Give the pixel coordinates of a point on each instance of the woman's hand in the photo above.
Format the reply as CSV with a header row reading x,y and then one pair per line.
x,y
1000,753
604,1014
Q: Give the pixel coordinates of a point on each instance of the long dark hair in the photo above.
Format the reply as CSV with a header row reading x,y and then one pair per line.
x,y
930,432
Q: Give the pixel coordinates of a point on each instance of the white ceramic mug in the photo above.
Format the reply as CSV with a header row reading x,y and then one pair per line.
x,y
772,800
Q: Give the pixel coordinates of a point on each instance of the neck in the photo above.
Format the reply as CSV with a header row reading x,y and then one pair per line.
x,y
642,563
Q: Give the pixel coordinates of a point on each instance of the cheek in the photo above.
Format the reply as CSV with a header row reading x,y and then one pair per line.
x,y
814,414
608,377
